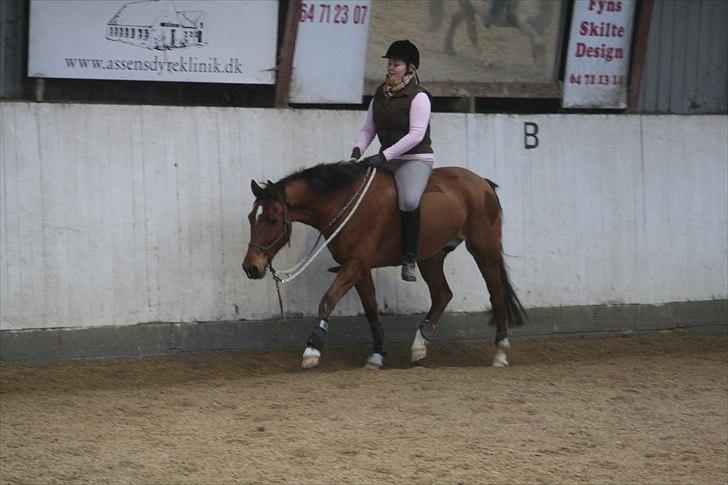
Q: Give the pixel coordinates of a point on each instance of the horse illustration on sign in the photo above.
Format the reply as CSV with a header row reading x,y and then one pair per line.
x,y
156,25
530,17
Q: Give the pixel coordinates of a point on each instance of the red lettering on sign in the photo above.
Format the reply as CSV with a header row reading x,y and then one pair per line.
x,y
601,79
325,13
603,52
342,13
360,13
601,29
602,6
575,79
307,12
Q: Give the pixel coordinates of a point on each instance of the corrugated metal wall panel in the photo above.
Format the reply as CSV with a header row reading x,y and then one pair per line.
x,y
693,60
717,94
13,42
686,68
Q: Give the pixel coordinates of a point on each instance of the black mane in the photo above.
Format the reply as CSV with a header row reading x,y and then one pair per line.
x,y
325,178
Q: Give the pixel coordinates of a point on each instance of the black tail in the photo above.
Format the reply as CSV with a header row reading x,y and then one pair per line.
x,y
494,186
515,313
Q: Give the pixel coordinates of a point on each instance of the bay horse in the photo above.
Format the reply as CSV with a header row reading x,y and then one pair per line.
x,y
457,206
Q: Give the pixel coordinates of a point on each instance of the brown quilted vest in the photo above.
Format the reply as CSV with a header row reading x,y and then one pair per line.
x,y
391,117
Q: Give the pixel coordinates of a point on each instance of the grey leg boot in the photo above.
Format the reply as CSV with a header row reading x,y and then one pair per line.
x,y
410,236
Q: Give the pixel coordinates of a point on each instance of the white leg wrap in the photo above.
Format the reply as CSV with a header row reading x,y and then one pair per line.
x,y
311,358
499,359
419,347
375,361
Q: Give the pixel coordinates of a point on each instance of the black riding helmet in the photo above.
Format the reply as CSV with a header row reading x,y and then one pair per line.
x,y
405,50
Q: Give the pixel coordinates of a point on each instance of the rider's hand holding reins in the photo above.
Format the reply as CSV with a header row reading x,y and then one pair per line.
x,y
373,161
355,154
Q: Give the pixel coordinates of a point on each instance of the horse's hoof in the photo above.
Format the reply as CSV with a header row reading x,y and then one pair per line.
x,y
419,363
311,358
374,362
418,355
309,364
499,360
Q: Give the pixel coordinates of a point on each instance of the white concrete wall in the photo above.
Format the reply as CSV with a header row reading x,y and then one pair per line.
x,y
128,214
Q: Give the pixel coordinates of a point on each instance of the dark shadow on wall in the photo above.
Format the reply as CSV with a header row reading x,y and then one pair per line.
x,y
157,93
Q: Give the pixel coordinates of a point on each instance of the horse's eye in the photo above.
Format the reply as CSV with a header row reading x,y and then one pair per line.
x,y
272,221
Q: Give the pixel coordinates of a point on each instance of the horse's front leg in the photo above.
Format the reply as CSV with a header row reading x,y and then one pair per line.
x,y
348,275
367,295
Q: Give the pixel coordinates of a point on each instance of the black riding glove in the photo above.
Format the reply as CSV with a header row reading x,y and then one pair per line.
x,y
355,154
373,161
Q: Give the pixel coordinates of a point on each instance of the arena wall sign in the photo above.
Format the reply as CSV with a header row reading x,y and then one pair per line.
x,y
332,38
597,61
192,41
473,47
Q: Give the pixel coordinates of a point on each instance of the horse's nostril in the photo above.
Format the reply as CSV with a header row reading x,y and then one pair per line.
x,y
252,272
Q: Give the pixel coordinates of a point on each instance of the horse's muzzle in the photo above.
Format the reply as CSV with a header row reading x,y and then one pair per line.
x,y
253,272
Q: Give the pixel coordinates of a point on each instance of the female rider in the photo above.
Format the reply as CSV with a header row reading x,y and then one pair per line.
x,y
399,115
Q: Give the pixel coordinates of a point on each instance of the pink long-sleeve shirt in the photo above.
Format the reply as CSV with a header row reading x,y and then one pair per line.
x,y
419,118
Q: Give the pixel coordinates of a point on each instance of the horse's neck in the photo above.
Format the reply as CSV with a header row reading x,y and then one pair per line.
x,y
313,211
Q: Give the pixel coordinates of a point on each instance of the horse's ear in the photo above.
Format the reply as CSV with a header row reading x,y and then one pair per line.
x,y
271,188
257,189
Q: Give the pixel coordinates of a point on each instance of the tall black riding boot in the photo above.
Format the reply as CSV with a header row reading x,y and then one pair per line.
x,y
410,235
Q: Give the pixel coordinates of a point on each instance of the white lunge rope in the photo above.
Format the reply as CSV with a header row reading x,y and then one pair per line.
x,y
305,263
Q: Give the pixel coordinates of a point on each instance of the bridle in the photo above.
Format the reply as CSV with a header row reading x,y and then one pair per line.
x,y
287,229
286,232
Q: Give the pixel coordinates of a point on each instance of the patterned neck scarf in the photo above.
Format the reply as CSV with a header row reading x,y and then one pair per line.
x,y
397,83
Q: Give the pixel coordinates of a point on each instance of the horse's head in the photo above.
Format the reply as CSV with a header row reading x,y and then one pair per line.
x,y
270,228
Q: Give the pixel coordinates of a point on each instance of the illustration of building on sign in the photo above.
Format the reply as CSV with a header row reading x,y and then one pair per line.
x,y
156,24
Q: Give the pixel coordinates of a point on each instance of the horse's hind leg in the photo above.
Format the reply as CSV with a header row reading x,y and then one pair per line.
x,y
488,257
432,272
454,23
524,22
367,295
